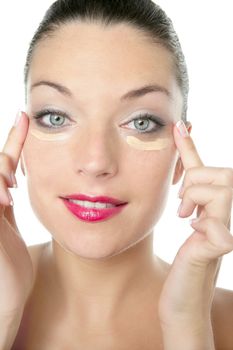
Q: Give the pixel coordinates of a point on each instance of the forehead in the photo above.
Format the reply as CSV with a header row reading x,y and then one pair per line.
x,y
113,54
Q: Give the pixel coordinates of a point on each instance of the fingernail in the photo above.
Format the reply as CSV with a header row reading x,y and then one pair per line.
x,y
13,179
182,128
18,117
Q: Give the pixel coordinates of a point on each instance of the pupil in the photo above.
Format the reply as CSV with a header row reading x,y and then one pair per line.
x,y
141,122
55,119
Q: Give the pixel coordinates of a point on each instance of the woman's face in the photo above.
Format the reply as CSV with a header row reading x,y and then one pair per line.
x,y
99,66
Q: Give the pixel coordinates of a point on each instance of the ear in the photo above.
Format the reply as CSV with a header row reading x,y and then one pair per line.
x,y
179,169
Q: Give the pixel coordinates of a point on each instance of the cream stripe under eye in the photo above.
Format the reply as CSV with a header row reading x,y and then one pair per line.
x,y
158,145
49,137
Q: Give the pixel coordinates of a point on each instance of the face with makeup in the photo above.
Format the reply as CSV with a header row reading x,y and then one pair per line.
x,y
97,136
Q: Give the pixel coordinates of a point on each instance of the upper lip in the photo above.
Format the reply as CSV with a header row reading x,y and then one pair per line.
x,y
101,199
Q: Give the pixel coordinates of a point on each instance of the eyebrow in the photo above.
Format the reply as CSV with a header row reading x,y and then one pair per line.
x,y
128,96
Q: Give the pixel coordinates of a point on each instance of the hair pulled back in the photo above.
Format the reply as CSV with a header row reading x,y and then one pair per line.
x,y
144,15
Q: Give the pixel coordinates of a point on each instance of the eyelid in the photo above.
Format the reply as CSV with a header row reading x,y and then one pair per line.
x,y
46,111
50,110
140,115
159,124
148,115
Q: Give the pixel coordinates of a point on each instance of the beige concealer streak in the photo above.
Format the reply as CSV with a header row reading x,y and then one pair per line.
x,y
157,145
49,137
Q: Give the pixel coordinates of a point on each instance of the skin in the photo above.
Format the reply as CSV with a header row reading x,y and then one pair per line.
x,y
90,279
158,144
133,141
93,274
49,137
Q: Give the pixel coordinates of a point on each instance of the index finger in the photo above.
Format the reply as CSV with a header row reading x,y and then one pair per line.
x,y
186,147
15,140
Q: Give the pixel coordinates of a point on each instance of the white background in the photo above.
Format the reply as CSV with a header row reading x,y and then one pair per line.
x,y
205,29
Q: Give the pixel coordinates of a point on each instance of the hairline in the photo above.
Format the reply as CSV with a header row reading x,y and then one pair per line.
x,y
54,27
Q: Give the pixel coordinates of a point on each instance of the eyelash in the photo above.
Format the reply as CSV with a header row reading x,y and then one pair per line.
x,y
143,116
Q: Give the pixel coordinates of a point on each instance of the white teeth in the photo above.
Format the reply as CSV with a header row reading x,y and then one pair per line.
x,y
88,204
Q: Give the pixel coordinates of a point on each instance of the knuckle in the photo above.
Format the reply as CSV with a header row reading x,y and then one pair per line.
x,y
189,175
226,193
187,191
188,171
227,175
2,156
211,222
5,159
192,170
2,181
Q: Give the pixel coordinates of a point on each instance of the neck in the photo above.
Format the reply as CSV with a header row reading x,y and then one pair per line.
x,y
103,288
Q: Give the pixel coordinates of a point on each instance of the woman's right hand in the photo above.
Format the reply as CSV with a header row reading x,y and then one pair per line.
x,y
16,270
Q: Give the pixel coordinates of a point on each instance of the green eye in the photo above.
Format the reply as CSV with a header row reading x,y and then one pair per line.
x,y
56,120
51,119
143,122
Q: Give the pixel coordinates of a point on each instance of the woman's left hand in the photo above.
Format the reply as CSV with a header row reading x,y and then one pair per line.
x,y
188,291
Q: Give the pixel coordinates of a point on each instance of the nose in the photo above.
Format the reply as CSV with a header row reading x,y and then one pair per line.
x,y
95,154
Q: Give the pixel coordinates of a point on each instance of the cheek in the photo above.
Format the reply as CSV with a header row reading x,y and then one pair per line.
x,y
44,161
151,175
152,165
40,160
148,183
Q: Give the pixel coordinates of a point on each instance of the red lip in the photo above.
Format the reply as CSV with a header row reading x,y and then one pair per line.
x,y
101,199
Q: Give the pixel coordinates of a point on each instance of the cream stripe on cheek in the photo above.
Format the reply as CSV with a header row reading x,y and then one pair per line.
x,y
49,137
157,145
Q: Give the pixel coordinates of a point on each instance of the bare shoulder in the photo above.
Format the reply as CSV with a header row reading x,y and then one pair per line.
x,y
222,319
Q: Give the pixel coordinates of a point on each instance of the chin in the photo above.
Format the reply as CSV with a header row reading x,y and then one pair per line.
x,y
95,250
100,248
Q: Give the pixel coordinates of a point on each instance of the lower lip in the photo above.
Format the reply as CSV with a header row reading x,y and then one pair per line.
x,y
92,214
